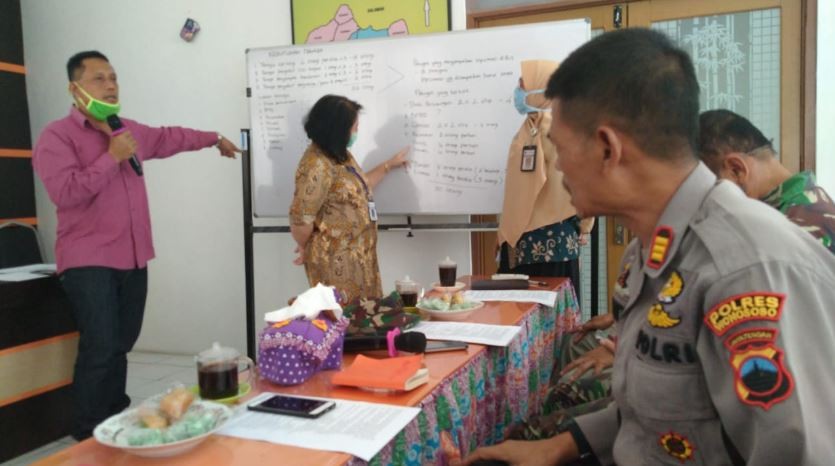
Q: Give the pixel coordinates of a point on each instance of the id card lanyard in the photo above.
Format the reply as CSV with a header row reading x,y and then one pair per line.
x,y
372,208
529,151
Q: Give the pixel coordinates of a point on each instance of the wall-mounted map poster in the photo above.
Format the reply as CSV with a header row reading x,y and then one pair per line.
x,y
334,20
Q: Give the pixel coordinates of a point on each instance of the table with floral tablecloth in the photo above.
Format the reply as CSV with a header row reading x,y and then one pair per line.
x,y
482,400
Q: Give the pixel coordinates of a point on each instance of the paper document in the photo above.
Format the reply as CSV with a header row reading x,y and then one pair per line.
x,y
20,276
484,334
358,428
548,298
32,268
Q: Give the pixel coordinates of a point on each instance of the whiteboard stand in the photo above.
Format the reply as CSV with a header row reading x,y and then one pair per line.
x,y
249,261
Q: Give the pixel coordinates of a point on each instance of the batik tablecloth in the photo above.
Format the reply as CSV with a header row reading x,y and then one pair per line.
x,y
482,400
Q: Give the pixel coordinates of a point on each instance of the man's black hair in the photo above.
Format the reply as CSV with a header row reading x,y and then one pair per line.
x,y
637,81
75,65
723,131
328,124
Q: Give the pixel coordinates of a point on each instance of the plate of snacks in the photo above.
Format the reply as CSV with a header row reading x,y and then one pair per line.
x,y
448,307
164,425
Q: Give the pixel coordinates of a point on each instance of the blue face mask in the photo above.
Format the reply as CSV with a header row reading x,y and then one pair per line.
x,y
352,139
519,96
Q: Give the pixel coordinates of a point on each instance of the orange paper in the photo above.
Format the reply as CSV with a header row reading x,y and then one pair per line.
x,y
392,373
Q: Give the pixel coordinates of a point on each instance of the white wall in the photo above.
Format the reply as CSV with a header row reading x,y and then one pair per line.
x,y
196,289
825,132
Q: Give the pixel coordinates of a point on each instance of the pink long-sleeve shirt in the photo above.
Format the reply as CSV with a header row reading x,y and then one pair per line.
x,y
102,205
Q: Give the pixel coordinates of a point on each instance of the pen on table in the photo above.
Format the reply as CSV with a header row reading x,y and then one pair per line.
x,y
537,283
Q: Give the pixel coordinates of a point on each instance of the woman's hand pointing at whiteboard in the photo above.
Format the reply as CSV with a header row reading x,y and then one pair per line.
x,y
379,172
399,160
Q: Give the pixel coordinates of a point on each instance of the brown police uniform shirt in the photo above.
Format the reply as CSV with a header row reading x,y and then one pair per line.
x,y
725,350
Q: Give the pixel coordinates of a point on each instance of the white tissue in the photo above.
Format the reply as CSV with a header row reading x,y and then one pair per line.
x,y
308,304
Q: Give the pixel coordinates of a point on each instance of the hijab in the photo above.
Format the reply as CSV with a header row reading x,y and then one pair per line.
x,y
533,199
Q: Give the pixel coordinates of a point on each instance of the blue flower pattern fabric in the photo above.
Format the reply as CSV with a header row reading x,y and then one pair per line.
x,y
558,242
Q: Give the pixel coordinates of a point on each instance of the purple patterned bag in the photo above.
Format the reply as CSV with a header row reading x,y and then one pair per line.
x,y
291,351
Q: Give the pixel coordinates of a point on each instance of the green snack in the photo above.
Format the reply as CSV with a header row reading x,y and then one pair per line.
x,y
144,437
434,304
177,432
191,425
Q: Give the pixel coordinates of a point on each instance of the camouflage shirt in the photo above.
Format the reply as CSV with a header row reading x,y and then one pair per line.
x,y
805,203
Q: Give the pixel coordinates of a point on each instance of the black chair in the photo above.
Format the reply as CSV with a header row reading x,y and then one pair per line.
x,y
20,244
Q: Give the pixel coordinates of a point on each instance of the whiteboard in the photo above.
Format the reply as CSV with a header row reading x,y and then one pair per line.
x,y
447,95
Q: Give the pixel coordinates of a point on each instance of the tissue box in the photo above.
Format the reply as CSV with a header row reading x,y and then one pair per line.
x,y
291,351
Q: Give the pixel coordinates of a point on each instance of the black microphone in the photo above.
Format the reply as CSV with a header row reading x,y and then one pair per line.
x,y
117,127
412,342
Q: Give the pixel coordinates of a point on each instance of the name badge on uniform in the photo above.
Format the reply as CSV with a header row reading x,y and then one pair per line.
x,y
528,158
372,211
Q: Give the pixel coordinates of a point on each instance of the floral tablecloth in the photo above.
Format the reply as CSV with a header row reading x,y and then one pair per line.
x,y
479,403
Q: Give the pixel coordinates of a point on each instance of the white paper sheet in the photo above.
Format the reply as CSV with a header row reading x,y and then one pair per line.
x,y
32,268
358,428
484,334
20,276
547,298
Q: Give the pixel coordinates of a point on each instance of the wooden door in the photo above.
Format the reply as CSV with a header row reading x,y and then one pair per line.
x,y
604,16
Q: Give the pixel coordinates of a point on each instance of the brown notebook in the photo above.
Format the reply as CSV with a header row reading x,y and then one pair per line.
x,y
403,373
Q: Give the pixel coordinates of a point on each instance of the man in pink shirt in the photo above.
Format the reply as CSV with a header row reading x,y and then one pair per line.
x,y
104,227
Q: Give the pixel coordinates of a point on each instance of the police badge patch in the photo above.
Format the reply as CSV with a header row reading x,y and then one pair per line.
x,y
660,318
672,289
757,305
677,446
760,378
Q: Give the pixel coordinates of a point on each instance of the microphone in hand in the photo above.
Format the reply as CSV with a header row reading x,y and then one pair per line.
x,y
117,128
393,340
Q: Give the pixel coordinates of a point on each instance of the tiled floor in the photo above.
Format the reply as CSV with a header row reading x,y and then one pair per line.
x,y
148,375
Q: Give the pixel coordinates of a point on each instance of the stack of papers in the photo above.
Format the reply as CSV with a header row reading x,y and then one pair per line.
x,y
354,427
546,298
483,334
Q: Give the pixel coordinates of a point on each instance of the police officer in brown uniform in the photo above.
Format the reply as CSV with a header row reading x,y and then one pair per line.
x,y
725,342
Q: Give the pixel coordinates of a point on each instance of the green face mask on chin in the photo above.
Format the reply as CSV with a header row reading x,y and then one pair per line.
x,y
98,109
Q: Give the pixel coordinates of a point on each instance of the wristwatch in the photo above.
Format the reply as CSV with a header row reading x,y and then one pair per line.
x,y
219,139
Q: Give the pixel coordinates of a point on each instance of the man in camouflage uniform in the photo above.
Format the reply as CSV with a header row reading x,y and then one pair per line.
x,y
734,149
725,344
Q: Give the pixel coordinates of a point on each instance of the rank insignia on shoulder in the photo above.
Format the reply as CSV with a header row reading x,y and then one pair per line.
x,y
757,305
760,377
677,446
661,242
658,317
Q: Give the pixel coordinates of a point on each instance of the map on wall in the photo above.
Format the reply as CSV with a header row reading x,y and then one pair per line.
x,y
338,20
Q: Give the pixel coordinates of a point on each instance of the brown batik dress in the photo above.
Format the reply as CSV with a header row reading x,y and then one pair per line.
x,y
342,251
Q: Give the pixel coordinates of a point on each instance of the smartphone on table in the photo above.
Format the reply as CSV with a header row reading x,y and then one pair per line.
x,y
436,346
293,406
